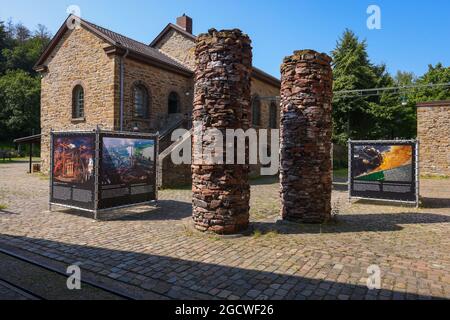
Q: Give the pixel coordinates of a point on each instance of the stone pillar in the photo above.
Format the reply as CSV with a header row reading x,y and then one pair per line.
x,y
221,192
306,127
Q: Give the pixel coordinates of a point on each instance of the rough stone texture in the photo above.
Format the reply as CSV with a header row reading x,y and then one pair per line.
x,y
263,89
306,94
159,83
182,48
79,58
221,193
178,46
433,132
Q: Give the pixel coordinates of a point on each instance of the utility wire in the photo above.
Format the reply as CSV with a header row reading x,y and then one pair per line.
x,y
372,92
378,91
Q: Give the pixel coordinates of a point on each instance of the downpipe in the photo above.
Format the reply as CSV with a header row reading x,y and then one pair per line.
x,y
122,75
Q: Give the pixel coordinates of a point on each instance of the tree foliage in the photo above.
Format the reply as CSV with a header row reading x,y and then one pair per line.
x,y
388,115
20,48
19,98
437,74
352,70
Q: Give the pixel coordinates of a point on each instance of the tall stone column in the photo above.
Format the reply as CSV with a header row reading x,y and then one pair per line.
x,y
221,192
306,128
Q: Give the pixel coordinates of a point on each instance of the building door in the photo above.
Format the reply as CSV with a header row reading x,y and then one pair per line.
x,y
174,103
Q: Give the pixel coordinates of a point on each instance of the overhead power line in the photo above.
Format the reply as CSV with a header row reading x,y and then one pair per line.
x,y
374,91
378,91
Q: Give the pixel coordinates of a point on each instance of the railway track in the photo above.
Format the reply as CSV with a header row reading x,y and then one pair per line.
x,y
23,279
11,291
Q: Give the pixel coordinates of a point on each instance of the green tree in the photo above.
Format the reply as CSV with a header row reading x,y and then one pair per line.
x,y
403,78
26,48
393,116
386,115
4,44
19,104
352,70
435,75
24,55
20,48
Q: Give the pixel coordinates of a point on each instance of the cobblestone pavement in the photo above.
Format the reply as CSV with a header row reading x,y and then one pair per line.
x,y
157,250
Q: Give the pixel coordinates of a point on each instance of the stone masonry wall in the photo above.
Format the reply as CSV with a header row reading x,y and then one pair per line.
x,y
221,192
263,89
159,83
179,47
433,132
182,47
79,58
305,173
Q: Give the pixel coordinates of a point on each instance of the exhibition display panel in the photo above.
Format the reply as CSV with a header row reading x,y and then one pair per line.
x,y
102,170
384,170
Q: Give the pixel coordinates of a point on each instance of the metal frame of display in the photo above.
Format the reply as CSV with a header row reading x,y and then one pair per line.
x,y
97,159
416,158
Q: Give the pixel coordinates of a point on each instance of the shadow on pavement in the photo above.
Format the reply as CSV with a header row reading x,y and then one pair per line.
x,y
355,223
436,203
8,212
178,278
163,210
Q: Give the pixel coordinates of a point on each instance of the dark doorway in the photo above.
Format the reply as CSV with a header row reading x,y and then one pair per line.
x,y
174,103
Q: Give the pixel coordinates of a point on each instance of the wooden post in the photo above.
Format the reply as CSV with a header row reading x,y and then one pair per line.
x,y
31,157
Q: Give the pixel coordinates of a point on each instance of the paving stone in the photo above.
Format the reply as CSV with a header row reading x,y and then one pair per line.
x,y
145,246
224,294
253,293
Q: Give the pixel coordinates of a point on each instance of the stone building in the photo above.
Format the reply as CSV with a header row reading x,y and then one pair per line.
x,y
93,76
433,132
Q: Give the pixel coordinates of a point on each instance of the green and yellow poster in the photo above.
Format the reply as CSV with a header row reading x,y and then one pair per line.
x,y
383,170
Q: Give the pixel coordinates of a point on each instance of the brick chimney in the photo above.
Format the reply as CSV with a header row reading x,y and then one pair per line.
x,y
185,22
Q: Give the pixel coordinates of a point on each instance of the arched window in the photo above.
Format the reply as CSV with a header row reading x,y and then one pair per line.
x,y
256,111
141,101
273,116
174,103
78,102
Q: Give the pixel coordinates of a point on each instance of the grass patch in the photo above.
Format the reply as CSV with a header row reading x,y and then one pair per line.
x,y
257,234
340,173
434,177
269,235
181,187
187,231
3,206
215,237
42,176
24,159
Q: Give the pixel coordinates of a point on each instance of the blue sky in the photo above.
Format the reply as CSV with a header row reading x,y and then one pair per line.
x,y
414,33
